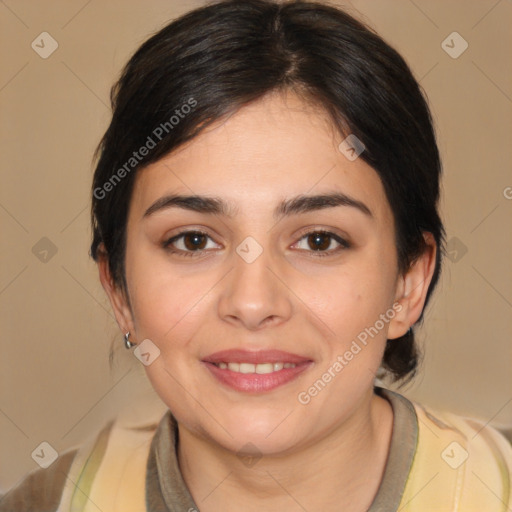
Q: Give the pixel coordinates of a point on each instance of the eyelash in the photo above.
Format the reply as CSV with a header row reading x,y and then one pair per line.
x,y
167,245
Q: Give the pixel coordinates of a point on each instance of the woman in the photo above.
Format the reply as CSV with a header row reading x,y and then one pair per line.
x,y
265,225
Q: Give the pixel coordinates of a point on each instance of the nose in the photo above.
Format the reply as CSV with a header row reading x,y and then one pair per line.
x,y
255,294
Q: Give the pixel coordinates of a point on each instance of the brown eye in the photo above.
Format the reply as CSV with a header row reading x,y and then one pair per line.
x,y
189,243
319,241
194,241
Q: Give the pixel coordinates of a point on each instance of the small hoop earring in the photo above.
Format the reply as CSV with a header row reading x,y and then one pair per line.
x,y
127,343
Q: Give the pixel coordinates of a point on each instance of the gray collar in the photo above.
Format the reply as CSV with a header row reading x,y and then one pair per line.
x,y
166,490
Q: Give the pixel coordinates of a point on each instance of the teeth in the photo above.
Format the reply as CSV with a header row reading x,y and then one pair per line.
x,y
260,369
264,368
247,368
234,367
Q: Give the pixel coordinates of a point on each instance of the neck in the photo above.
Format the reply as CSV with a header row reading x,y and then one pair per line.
x,y
340,471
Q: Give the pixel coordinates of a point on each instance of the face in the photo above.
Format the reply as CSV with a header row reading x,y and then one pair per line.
x,y
270,309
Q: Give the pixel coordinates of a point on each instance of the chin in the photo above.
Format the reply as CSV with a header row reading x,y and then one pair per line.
x,y
263,432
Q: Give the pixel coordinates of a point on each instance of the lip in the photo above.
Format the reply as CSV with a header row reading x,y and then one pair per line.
x,y
253,382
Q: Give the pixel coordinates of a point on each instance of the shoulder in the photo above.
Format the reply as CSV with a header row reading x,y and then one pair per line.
x,y
53,488
41,487
460,464
44,488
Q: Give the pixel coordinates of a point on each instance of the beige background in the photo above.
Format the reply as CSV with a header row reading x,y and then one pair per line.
x,y
56,324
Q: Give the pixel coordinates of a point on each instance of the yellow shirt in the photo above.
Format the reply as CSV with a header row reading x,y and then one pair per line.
x,y
438,462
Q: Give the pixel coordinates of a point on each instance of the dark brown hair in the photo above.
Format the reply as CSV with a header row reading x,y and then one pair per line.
x,y
215,59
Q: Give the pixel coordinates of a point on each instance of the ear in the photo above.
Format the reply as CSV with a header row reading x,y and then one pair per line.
x,y
116,296
412,288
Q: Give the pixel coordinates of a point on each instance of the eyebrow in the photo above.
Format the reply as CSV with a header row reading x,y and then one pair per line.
x,y
295,205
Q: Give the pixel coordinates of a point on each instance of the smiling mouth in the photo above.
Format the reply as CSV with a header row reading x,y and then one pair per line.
x,y
255,371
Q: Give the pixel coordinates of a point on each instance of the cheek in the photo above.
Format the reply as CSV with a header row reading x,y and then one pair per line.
x,y
167,310
165,302
352,298
355,305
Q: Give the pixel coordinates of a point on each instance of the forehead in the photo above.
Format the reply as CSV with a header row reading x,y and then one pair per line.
x,y
271,149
